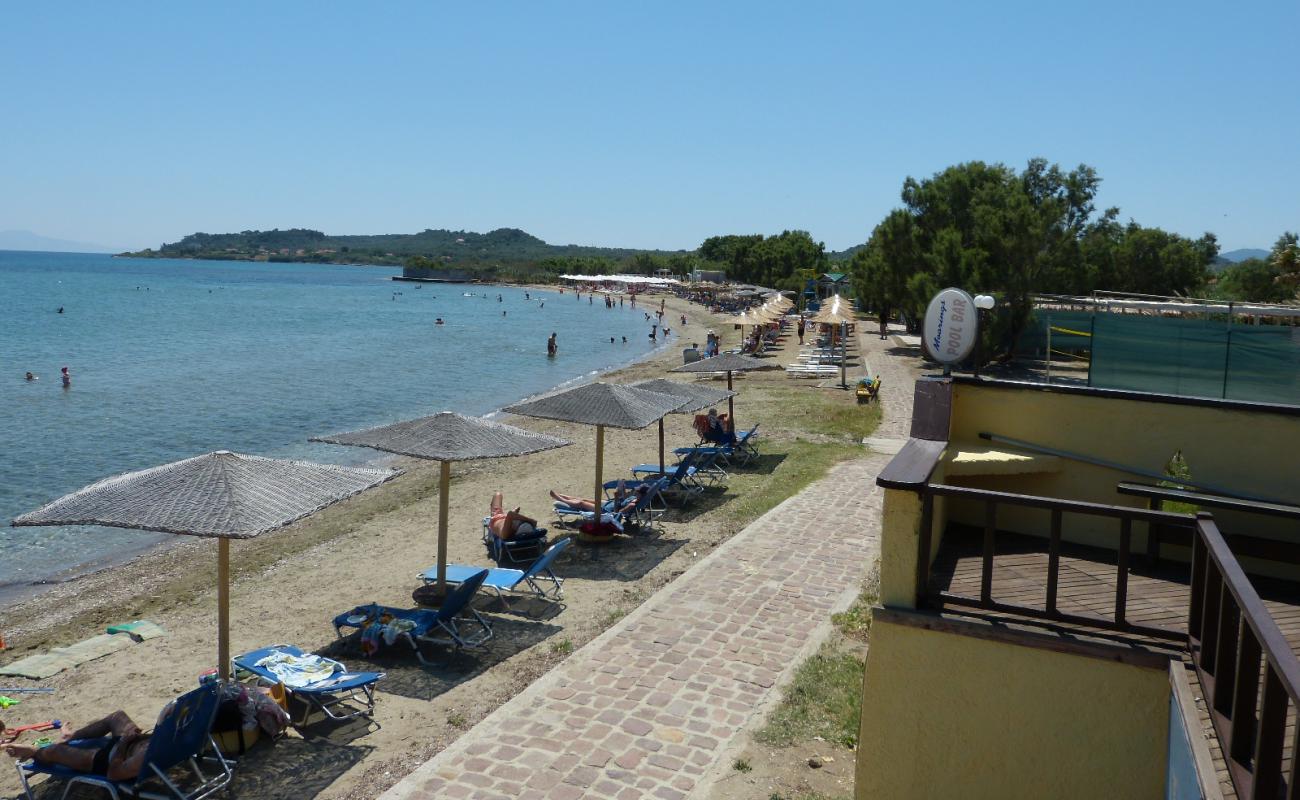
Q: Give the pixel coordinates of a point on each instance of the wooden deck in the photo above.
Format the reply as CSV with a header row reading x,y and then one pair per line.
x,y
1158,596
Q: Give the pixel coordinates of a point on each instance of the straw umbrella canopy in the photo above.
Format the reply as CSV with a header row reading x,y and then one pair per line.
x,y
836,310
603,405
448,437
694,397
780,302
728,363
220,495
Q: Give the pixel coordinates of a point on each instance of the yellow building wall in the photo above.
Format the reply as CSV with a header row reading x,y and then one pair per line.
x,y
952,716
899,528
1255,452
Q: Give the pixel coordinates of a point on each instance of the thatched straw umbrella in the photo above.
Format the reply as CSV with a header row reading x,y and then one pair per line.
x,y
221,495
836,310
728,363
694,397
603,405
448,437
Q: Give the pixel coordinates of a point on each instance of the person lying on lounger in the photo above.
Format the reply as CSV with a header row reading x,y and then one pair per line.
x,y
119,760
506,524
624,499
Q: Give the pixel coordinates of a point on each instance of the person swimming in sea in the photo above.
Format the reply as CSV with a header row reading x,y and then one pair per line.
x,y
438,321
31,377
60,309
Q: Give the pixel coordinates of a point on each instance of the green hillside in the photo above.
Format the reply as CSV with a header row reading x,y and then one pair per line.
x,y
501,247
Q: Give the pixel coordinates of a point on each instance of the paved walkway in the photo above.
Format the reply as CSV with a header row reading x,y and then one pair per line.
x,y
898,368
656,703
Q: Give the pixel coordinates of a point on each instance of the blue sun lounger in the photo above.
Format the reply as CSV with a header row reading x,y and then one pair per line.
x,y
343,695
640,515
178,739
419,625
505,580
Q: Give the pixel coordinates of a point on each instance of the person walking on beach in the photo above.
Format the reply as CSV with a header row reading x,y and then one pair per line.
x,y
800,329
552,346
67,379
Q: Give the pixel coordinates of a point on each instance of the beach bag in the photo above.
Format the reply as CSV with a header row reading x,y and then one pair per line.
x,y
598,529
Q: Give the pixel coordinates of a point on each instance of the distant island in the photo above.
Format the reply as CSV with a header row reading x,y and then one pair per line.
x,y
503,247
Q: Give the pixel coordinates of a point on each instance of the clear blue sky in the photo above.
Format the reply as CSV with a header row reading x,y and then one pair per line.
x,y
632,124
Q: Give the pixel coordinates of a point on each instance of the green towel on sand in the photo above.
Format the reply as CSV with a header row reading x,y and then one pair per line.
x,y
139,630
42,666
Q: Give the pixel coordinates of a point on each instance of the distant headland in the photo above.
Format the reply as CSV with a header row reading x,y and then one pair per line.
x,y
501,247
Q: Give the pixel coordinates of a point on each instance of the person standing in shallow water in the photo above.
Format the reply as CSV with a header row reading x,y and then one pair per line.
x,y
552,346
67,379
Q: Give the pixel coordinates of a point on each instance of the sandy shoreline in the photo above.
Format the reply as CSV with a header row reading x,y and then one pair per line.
x,y
288,585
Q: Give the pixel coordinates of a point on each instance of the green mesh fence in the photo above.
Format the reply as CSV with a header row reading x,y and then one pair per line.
x,y
1195,357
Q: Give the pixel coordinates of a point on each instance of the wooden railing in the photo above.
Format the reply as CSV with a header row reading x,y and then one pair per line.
x,y
1234,643
1249,674
1124,515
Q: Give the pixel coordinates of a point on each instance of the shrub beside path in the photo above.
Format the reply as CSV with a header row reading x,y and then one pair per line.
x,y
656,705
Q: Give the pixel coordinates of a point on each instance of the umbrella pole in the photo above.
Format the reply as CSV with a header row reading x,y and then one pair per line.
x,y
223,608
600,468
844,355
444,486
661,446
731,406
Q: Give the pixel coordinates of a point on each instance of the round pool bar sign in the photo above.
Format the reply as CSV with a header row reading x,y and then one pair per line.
x,y
950,326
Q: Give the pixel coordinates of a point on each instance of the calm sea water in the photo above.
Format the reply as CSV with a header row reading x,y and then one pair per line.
x,y
171,359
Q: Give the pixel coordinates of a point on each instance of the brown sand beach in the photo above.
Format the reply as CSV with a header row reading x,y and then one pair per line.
x,y
289,585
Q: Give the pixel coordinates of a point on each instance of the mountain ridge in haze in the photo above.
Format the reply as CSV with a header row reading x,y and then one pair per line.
x,y
27,240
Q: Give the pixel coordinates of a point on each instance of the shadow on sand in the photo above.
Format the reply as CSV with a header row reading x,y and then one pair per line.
x,y
287,767
622,558
407,677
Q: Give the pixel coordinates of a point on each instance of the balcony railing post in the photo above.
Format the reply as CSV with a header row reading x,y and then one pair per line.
x,y
923,549
1269,737
1195,610
1229,659
1246,691
1053,561
1121,576
990,530
1210,621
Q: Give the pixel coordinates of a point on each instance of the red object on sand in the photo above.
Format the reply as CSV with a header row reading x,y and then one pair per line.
x,y
12,733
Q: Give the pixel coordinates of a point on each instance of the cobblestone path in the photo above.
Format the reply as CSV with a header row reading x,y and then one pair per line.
x,y
651,706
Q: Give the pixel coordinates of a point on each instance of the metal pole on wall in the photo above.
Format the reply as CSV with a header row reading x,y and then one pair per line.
x,y
1049,350
1092,343
1227,352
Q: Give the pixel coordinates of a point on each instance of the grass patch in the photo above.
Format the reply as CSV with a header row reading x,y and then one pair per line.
x,y
824,700
826,412
562,647
804,463
457,720
611,617
856,622
740,764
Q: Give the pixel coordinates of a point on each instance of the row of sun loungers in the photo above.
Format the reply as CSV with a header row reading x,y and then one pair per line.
x,y
324,686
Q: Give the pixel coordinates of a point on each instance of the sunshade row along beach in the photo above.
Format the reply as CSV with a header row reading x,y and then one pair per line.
x,y
227,495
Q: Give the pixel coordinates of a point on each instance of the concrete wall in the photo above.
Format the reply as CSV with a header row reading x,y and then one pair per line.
x,y
947,715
